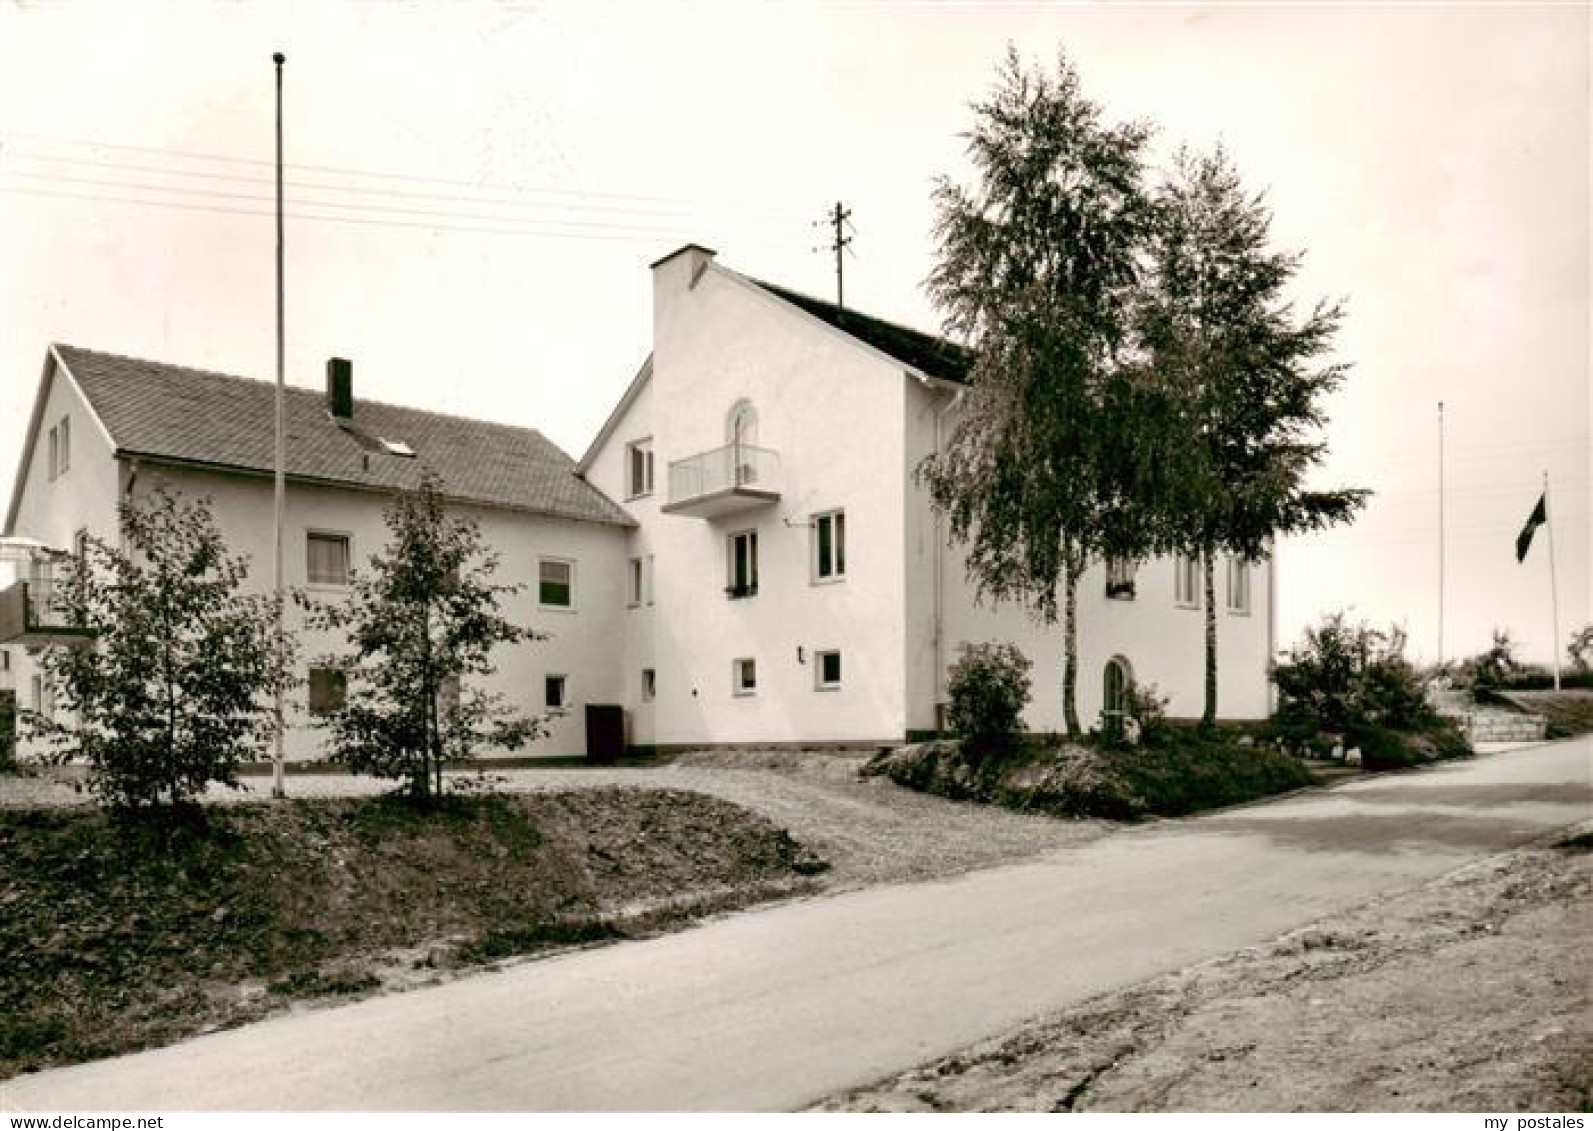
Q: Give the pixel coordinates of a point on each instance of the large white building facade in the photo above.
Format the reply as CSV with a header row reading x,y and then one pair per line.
x,y
741,557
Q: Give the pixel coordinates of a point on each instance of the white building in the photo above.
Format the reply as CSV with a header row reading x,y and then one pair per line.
x,y
742,556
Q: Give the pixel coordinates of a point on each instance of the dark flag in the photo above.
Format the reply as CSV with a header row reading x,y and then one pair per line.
x,y
1537,518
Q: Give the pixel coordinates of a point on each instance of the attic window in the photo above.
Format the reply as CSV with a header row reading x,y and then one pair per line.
x,y
397,447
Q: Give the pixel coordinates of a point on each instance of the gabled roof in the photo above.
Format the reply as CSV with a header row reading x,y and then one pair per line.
x,y
193,416
933,356
628,398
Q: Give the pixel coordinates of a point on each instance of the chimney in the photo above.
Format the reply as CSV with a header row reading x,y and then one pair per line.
x,y
340,388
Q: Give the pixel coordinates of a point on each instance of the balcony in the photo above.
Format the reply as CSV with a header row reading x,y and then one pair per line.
x,y
31,617
723,481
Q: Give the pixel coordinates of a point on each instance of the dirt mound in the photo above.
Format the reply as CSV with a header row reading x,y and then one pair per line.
x,y
117,937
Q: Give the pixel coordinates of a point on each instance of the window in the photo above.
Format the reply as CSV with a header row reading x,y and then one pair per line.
x,y
1238,586
827,670
66,444
744,676
639,468
328,558
647,580
743,580
1186,582
638,581
555,693
829,546
741,426
328,690
55,453
1120,579
649,685
741,432
555,583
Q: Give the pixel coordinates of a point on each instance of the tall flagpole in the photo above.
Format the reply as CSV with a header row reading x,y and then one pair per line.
x,y
1440,533
277,787
1554,584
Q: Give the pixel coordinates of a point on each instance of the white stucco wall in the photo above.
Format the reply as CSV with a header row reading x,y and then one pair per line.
x,y
83,497
580,642
832,411
609,473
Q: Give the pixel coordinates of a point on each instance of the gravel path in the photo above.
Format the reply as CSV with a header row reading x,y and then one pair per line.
x,y
870,830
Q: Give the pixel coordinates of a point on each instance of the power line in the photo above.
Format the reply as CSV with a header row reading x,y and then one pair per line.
x,y
665,211
186,206
407,177
355,206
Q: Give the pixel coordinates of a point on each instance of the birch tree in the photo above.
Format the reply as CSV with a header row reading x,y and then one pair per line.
x,y
1248,379
1036,271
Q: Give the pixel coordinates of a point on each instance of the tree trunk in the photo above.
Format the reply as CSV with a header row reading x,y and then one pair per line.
x,y
428,704
1070,642
1208,718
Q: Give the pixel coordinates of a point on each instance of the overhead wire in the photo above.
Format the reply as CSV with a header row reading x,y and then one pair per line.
x,y
210,194
581,193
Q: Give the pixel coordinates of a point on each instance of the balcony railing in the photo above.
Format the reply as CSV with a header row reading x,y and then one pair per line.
x,y
723,481
31,614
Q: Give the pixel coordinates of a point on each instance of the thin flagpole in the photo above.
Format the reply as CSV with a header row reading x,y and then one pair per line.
x,y
278,788
1554,583
1440,533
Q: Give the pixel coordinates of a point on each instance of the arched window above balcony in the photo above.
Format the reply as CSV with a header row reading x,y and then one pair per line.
x,y
741,426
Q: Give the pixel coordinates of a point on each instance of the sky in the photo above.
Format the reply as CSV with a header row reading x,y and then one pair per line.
x,y
474,192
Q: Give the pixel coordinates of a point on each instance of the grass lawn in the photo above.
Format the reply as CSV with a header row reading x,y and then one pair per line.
x,y
117,936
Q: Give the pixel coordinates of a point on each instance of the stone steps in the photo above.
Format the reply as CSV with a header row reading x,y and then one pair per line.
x,y
1490,722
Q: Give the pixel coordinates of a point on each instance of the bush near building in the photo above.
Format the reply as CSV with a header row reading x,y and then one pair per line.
x,y
1349,684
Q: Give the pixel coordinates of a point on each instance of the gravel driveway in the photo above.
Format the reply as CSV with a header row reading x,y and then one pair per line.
x,y
870,830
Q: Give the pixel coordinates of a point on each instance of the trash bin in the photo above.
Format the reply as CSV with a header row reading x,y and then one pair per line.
x,y
605,732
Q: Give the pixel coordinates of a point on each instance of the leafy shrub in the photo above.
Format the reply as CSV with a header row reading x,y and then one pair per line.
x,y
1385,749
176,689
1148,708
1580,649
987,688
1345,675
1493,669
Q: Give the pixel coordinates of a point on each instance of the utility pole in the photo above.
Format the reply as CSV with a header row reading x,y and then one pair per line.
x,y
277,785
837,220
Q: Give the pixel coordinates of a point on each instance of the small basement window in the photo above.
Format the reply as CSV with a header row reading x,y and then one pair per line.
x,y
744,675
555,693
649,685
827,671
397,447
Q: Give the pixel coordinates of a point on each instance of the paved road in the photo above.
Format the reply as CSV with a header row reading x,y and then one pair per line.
x,y
770,1010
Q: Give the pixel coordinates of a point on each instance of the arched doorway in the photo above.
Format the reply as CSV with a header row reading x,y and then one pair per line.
x,y
1117,690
